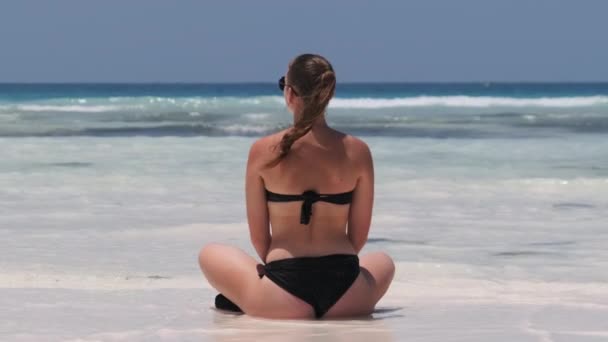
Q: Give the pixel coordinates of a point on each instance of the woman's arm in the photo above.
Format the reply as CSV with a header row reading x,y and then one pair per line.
x,y
257,208
360,214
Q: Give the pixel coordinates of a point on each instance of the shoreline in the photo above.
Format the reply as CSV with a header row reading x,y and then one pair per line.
x,y
420,305
177,315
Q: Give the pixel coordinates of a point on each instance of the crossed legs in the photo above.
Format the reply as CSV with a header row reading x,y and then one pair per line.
x,y
233,273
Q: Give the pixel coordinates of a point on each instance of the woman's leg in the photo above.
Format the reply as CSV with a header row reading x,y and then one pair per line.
x,y
233,273
377,271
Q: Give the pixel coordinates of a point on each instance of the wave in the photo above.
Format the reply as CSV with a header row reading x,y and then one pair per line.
x,y
417,116
254,104
143,104
470,101
499,125
179,130
65,108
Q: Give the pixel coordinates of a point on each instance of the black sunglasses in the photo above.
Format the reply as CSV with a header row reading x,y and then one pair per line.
x,y
282,85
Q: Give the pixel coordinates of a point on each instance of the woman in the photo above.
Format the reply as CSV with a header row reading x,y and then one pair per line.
x,y
314,186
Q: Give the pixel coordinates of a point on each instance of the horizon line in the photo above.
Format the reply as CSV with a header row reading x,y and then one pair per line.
x,y
273,82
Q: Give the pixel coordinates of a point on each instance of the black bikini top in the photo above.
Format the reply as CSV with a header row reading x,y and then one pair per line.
x,y
309,197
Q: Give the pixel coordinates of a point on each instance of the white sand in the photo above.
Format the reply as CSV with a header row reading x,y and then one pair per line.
x,y
421,306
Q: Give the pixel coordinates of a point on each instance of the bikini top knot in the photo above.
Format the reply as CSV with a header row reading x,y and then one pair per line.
x,y
309,197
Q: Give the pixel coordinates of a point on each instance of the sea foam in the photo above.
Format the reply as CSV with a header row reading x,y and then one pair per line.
x,y
469,101
277,103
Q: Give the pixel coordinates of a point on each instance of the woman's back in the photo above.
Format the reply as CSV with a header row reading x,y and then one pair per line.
x,y
327,162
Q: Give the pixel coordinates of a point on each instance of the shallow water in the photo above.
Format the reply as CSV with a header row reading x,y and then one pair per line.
x,y
497,216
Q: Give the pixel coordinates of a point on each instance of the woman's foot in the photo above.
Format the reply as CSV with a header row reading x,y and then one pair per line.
x,y
223,303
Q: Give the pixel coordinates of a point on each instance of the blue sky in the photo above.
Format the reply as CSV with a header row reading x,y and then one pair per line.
x,y
233,41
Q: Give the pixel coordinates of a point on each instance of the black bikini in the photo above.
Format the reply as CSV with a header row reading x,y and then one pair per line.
x,y
319,281
309,197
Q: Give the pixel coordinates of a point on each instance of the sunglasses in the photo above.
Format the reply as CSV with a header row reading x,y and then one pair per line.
x,y
282,85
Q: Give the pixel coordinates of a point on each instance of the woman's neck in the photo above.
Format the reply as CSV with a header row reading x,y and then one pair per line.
x,y
318,124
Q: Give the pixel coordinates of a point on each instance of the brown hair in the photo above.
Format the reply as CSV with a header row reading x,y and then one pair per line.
x,y
314,80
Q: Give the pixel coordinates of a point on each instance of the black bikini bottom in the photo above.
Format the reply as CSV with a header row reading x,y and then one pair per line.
x,y
319,281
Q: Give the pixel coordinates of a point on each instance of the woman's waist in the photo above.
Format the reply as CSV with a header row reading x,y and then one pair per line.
x,y
285,249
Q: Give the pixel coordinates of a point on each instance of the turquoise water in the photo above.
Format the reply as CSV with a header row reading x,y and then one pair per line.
x,y
21,92
391,110
508,180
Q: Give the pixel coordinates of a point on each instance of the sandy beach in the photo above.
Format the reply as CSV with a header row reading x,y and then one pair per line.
x,y
417,308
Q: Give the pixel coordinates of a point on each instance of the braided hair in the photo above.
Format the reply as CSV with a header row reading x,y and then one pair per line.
x,y
315,81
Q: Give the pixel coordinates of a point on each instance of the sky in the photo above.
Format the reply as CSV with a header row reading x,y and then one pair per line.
x,y
253,41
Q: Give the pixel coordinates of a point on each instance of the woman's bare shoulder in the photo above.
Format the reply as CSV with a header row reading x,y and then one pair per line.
x,y
356,148
261,149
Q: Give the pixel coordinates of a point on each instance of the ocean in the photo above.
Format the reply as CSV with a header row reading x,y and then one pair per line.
x,y
486,194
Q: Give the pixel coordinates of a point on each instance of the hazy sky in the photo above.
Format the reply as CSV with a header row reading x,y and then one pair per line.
x,y
231,41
